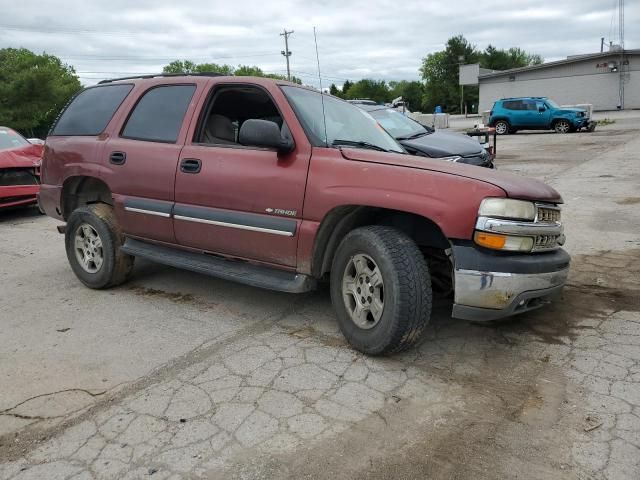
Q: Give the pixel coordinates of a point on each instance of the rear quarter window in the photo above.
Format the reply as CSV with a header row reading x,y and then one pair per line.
x,y
159,114
91,110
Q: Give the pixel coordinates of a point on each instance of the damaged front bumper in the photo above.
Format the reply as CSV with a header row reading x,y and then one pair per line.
x,y
489,285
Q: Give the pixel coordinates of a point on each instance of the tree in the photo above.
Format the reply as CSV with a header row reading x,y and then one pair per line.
x,y
497,59
33,90
440,71
345,88
410,91
187,66
375,90
333,90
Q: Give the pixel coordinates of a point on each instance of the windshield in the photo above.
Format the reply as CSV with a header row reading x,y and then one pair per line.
x,y
552,104
398,125
345,122
11,139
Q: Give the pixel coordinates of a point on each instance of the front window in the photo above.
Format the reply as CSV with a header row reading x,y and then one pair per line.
x,y
552,104
346,124
11,139
398,125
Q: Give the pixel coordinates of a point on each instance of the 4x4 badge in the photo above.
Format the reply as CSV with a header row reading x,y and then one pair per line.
x,y
281,211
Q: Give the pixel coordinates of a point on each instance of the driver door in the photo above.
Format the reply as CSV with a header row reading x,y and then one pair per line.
x,y
240,200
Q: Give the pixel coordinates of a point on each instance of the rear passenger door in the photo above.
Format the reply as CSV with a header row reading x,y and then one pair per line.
x,y
141,160
516,112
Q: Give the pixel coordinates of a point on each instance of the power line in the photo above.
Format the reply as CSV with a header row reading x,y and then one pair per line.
x,y
149,58
286,51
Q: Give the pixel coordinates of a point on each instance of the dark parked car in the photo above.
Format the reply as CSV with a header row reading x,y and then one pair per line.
x,y
425,141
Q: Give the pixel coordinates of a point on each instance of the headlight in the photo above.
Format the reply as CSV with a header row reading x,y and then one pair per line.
x,y
507,208
453,158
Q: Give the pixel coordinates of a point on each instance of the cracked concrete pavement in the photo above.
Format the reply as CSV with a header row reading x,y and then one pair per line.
x,y
176,375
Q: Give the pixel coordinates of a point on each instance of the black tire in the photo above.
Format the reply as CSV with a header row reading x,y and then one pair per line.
x,y
502,127
407,289
116,266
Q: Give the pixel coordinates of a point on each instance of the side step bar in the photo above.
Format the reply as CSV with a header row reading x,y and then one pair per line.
x,y
236,271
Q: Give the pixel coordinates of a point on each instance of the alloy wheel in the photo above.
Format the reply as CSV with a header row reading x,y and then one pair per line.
x,y
502,128
563,126
88,248
363,291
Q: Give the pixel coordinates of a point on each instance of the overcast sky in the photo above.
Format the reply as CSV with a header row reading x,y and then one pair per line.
x,y
357,38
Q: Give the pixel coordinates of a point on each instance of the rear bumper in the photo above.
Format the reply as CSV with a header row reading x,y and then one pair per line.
x,y
13,196
490,286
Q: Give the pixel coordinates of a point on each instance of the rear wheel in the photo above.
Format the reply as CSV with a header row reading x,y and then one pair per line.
x,y
380,290
562,126
502,127
93,241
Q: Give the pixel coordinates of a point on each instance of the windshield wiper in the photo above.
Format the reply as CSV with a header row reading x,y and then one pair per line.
x,y
415,135
358,144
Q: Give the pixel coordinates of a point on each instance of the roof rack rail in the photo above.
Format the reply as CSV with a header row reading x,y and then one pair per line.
x,y
154,75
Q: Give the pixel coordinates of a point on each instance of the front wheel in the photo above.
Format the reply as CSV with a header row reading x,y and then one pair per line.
x,y
502,127
562,126
92,241
380,290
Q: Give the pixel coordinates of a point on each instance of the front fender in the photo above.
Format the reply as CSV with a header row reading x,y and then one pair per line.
x,y
450,201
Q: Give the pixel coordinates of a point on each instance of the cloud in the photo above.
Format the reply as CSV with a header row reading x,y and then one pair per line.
x,y
379,39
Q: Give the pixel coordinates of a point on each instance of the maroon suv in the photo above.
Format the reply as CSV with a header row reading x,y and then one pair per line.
x,y
274,185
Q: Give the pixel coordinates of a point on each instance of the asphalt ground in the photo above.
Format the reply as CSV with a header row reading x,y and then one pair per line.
x,y
177,375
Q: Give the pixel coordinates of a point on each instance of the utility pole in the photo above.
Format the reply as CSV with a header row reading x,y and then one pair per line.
x,y
621,66
460,62
286,51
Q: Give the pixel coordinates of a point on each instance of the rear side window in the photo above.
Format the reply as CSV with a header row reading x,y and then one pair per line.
x,y
513,105
90,112
159,114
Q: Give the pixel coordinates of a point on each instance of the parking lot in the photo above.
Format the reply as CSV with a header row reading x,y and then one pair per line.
x,y
177,375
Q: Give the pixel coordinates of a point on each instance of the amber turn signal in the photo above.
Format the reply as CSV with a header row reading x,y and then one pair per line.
x,y
490,240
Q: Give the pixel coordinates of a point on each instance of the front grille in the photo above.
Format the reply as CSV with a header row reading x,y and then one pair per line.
x,y
13,177
545,242
547,214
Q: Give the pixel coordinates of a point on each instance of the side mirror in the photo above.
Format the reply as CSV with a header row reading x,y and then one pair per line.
x,y
264,133
541,109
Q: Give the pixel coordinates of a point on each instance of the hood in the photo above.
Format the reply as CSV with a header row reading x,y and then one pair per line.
x,y
444,144
21,157
571,110
514,186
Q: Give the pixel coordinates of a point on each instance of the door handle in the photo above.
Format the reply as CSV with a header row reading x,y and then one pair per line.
x,y
118,158
190,165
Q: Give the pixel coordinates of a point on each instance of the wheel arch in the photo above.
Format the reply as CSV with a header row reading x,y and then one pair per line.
x,y
83,190
500,118
343,219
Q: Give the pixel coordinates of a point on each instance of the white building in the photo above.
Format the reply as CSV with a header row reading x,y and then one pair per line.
x,y
583,79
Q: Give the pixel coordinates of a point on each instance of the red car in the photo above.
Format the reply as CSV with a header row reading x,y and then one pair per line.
x,y
19,169
273,185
